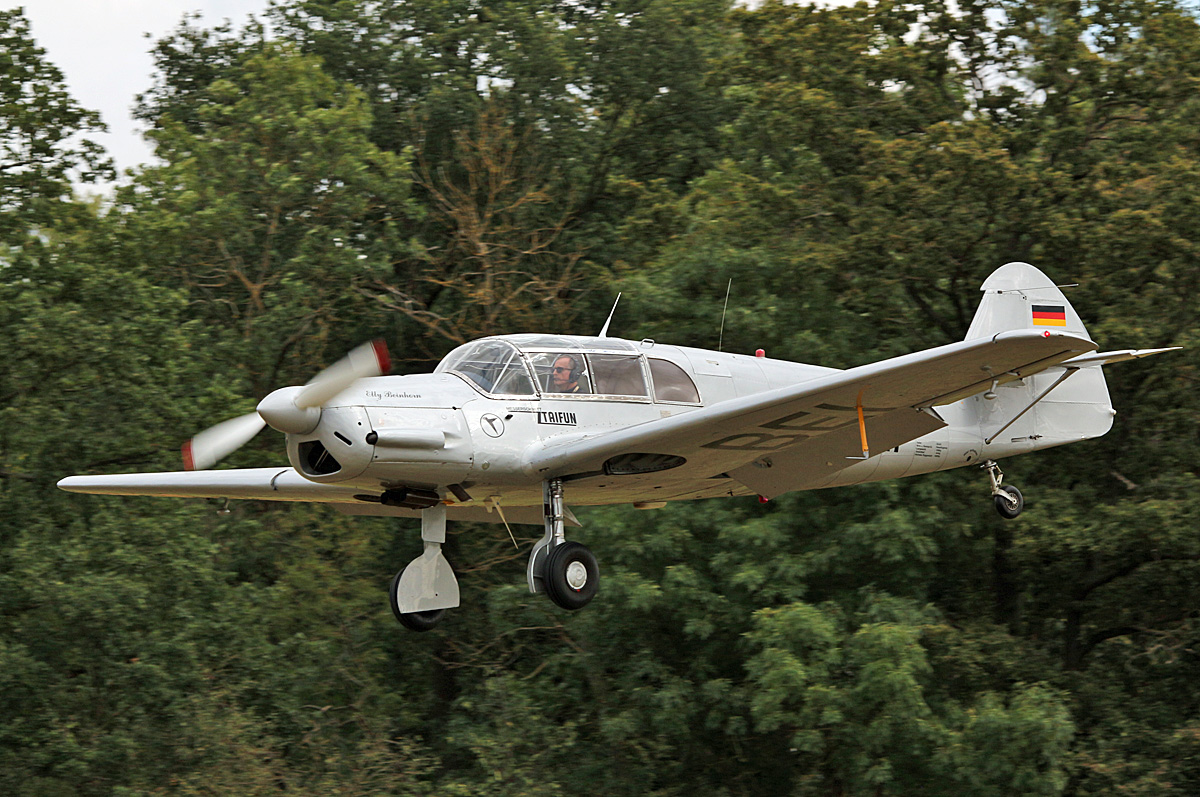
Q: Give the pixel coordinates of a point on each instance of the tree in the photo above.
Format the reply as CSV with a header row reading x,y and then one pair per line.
x,y
503,260
272,206
876,185
41,149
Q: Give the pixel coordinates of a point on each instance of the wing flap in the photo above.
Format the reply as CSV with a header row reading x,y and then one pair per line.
x,y
812,462
742,429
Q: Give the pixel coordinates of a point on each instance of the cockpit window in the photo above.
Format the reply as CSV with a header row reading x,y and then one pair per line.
x,y
561,372
671,383
494,365
618,374
561,366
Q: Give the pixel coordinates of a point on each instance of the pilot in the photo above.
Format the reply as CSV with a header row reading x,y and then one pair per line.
x,y
564,376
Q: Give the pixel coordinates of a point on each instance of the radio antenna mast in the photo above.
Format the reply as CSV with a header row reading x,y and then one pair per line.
x,y
721,339
604,330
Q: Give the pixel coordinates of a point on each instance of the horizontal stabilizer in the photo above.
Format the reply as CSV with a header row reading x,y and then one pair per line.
x,y
1110,357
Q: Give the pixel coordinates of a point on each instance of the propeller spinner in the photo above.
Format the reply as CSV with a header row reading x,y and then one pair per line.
x,y
291,410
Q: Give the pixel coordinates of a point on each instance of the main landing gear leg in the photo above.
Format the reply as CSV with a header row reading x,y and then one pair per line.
x,y
566,571
1008,499
421,593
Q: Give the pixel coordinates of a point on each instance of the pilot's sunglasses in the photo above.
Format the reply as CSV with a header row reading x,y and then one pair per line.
x,y
562,370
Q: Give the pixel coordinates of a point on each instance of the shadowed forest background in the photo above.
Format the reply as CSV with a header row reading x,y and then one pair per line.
x,y
436,170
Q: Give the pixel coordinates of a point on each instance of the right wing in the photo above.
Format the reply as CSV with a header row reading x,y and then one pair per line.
x,y
820,414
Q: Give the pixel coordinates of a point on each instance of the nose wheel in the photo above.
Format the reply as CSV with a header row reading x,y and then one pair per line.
x,y
413,621
1007,498
421,592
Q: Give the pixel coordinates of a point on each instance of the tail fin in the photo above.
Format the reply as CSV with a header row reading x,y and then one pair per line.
x,y
1019,296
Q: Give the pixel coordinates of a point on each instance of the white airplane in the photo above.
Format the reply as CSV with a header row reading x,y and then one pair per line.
x,y
507,428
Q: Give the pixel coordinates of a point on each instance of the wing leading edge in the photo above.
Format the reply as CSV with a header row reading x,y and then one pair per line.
x,y
276,484
734,433
266,484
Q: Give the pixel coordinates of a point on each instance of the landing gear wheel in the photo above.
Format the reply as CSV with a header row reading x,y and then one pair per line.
x,y
1011,505
413,621
572,575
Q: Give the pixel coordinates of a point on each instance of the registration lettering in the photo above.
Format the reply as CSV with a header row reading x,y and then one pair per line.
x,y
791,429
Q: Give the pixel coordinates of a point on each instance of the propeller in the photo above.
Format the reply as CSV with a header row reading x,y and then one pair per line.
x,y
291,410
217,442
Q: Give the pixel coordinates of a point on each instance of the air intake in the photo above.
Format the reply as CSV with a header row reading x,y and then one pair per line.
x,y
315,459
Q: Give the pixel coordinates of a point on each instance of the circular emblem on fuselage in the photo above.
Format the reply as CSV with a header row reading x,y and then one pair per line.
x,y
492,425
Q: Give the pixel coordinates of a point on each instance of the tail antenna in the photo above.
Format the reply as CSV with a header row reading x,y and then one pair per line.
x,y
604,330
721,338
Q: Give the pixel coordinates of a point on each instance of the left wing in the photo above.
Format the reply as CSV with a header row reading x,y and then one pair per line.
x,y
266,484
278,484
733,433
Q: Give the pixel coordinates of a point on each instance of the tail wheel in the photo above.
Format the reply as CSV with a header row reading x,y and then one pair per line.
x,y
572,575
413,621
1010,504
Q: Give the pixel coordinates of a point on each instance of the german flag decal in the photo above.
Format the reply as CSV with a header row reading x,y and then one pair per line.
x,y
1049,315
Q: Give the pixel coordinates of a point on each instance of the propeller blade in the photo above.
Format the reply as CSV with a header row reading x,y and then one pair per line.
x,y
217,442
369,359
291,410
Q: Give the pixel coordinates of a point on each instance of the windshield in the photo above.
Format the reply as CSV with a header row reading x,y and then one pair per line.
x,y
494,365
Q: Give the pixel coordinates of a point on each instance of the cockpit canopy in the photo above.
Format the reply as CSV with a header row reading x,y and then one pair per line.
x,y
553,365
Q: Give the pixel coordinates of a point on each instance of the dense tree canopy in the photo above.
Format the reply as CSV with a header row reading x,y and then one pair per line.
x,y
41,149
434,171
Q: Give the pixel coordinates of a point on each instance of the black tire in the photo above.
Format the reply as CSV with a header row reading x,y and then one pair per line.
x,y
571,587
413,621
1005,507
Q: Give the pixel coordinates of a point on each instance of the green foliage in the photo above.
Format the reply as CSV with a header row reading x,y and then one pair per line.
x,y
434,170
271,209
40,125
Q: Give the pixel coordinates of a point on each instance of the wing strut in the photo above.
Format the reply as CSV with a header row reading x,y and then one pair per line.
x,y
862,430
